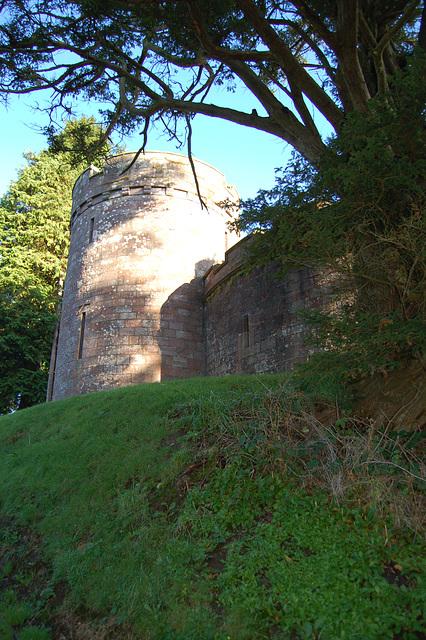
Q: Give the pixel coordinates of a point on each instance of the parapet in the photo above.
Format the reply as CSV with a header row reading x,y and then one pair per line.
x,y
154,173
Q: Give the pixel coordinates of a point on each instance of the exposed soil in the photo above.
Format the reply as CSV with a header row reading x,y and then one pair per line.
x,y
27,573
395,400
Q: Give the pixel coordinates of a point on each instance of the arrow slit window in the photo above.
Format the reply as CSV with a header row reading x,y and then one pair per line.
x,y
81,335
91,229
246,332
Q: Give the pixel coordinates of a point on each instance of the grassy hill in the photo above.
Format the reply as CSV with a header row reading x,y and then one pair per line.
x,y
207,509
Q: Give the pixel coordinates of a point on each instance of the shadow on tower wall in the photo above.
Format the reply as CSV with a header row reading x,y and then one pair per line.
x,y
181,335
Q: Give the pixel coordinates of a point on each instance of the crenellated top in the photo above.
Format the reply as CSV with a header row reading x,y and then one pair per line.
x,y
153,173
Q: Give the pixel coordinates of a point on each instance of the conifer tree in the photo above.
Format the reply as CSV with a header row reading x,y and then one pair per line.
x,y
360,217
34,241
156,61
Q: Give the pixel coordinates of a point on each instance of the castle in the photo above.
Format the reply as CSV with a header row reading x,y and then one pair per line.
x,y
155,288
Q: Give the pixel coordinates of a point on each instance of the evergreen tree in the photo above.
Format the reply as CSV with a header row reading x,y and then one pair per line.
x,y
34,241
359,216
157,60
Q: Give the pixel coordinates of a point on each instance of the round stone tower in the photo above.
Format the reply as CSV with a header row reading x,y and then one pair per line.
x,y
140,243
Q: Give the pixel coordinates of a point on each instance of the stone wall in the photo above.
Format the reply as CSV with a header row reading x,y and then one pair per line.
x,y
181,338
140,242
147,296
251,321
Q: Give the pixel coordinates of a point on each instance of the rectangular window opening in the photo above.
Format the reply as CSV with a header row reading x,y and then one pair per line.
x,y
81,336
91,229
246,332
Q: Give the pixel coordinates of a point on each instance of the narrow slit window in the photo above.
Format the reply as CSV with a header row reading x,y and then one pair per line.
x,y
246,332
91,229
81,336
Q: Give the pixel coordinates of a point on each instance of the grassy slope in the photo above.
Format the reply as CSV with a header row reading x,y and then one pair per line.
x,y
180,511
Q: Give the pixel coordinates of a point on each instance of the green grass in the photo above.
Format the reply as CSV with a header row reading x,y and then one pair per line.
x,y
204,509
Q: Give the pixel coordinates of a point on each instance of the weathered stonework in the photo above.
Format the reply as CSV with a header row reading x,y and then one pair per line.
x,y
140,244
251,321
145,299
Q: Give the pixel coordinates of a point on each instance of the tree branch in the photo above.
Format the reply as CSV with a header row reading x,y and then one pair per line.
x,y
315,48
310,16
347,53
298,135
380,49
290,65
299,103
390,33
191,162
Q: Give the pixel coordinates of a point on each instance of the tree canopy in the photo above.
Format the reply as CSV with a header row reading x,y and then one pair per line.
x,y
157,60
359,217
34,240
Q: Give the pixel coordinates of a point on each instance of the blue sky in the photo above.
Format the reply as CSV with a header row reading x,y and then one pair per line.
x,y
246,157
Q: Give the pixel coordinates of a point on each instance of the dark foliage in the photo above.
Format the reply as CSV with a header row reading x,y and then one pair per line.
x,y
359,216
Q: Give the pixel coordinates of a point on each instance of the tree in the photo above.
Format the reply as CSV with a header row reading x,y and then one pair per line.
x,y
34,240
157,60
27,322
359,215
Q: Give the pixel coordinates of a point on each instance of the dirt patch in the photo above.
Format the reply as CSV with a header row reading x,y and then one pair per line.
x,y
68,625
132,482
175,439
393,575
216,559
397,399
167,498
27,576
